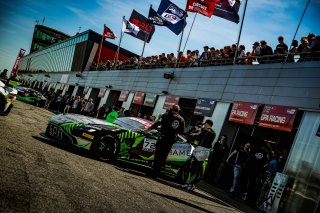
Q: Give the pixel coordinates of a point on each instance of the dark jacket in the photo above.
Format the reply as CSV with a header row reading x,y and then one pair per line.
x,y
205,137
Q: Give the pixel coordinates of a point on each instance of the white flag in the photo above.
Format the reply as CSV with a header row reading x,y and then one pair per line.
x,y
128,27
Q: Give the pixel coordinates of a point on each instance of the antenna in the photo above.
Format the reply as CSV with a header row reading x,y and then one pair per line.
x,y
79,29
37,22
44,18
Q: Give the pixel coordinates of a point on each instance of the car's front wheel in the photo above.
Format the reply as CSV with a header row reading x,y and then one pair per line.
x,y
190,172
106,148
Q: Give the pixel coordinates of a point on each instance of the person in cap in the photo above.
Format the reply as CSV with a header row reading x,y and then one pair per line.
x,y
256,50
171,124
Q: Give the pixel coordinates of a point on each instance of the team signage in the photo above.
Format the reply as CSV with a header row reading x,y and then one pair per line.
x,y
138,98
204,7
278,117
124,96
243,112
170,101
204,107
150,100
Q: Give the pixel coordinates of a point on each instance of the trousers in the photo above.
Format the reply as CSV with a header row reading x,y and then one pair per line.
x,y
163,148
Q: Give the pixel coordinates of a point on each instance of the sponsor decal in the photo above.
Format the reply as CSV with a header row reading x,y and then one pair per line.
x,y
87,136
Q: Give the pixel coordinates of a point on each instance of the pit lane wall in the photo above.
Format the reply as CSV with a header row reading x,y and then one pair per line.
x,y
294,84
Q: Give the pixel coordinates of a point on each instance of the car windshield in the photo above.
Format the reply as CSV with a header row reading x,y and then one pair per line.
x,y
134,124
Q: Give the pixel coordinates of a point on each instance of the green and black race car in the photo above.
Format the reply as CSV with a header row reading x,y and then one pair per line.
x,y
123,140
30,96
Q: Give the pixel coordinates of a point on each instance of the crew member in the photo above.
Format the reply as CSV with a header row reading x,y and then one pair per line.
x,y
204,139
171,124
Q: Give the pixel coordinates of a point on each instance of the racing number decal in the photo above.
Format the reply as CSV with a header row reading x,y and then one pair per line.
x,y
55,132
149,145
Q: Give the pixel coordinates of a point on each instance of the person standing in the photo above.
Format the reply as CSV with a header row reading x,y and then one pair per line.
x,y
75,104
240,157
88,108
204,139
220,150
171,124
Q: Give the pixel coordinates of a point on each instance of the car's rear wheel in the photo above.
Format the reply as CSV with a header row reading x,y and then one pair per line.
x,y
190,172
106,148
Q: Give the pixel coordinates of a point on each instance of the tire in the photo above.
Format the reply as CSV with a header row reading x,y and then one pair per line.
x,y
2,103
190,172
106,148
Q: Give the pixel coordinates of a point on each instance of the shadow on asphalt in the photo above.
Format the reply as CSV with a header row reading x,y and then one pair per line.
x,y
180,201
73,150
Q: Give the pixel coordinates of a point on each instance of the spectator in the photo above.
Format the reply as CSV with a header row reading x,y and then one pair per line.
x,y
220,150
129,112
311,38
121,112
248,60
305,53
69,103
75,104
89,107
315,50
233,51
101,111
181,58
205,55
301,47
265,50
281,48
256,50
293,50
237,159
241,54
4,74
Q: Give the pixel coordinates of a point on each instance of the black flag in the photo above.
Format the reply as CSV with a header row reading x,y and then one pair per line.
x,y
228,9
146,29
156,19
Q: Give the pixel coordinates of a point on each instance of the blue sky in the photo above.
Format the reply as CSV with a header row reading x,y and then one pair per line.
x,y
265,19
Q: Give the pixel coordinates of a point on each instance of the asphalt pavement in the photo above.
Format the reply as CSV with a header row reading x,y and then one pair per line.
x,y
37,175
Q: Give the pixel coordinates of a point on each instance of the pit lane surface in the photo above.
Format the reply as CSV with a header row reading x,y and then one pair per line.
x,y
37,175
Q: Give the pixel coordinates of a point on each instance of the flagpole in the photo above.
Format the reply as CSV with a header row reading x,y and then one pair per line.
x,y
144,43
185,44
184,21
100,48
295,34
118,49
240,31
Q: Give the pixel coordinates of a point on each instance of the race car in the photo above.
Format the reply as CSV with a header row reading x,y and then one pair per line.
x,y
124,140
7,95
30,96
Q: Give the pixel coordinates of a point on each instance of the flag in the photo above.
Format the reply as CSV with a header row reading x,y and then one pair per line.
x,y
156,19
107,33
228,9
128,27
174,15
146,29
15,68
204,7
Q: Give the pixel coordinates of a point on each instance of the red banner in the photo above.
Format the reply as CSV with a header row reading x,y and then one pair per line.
x,y
243,112
124,96
170,101
278,117
15,68
204,7
138,98
107,33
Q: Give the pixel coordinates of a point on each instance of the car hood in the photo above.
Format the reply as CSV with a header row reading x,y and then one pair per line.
x,y
75,118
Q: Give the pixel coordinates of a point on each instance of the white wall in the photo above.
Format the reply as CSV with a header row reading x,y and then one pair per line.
x,y
127,104
159,106
218,117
